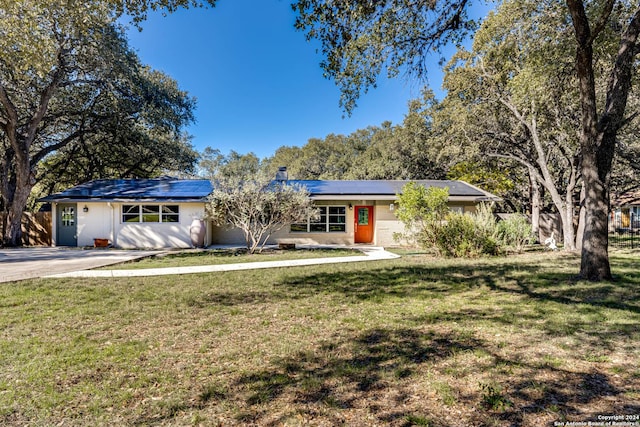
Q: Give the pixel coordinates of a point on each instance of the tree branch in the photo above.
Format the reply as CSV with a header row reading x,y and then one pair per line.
x,y
10,126
601,23
43,104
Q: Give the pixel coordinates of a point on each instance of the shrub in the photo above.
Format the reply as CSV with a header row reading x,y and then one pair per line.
x,y
422,210
485,220
515,232
429,223
258,207
461,236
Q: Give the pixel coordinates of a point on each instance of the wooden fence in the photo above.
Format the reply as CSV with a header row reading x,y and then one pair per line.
x,y
36,228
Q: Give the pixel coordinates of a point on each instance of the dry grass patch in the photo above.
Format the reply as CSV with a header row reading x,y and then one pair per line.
x,y
413,341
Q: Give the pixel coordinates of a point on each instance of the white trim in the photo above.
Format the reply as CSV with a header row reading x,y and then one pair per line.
x,y
141,213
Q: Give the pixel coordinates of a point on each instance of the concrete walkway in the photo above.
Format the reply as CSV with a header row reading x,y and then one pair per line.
x,y
372,254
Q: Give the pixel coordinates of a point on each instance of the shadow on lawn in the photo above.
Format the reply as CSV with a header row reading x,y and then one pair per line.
x,y
537,282
346,375
379,370
375,372
428,281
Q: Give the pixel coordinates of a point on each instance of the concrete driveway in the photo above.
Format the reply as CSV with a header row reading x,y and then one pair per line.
x,y
27,263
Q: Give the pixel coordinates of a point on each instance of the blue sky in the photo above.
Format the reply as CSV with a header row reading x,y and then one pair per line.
x,y
257,80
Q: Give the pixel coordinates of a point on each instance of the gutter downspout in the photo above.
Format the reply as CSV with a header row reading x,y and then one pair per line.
x,y
54,224
111,231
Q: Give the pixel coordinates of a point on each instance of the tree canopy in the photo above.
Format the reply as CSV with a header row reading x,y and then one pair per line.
x,y
71,89
510,98
361,39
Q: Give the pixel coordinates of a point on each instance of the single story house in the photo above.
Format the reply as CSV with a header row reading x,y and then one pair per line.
x,y
625,211
358,211
131,213
169,212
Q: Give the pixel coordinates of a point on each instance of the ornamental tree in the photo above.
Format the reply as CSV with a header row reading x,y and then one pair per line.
x,y
258,207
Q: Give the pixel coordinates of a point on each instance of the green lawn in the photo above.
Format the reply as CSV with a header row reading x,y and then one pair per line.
x,y
414,341
229,256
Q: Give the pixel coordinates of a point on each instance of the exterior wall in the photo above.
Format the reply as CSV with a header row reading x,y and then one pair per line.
x,y
385,225
104,221
225,236
336,238
96,223
158,235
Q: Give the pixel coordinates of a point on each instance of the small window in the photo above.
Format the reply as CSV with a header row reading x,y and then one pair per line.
x,y
130,213
363,216
170,213
150,213
337,219
68,216
320,225
298,228
457,209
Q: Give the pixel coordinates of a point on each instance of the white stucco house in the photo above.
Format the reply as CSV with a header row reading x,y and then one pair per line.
x,y
170,213
131,213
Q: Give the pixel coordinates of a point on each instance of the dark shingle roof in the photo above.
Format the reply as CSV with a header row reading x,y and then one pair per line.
x,y
153,189
388,188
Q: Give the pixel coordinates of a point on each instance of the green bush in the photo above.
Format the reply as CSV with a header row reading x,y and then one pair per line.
x,y
421,210
429,223
515,232
463,236
485,220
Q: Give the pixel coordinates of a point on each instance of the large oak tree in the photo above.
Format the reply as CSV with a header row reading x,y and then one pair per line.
x,y
510,97
360,39
57,58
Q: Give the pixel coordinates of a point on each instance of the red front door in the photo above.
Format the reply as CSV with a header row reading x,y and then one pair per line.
x,y
363,224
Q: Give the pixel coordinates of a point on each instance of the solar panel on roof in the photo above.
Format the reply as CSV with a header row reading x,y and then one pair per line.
x,y
156,188
171,188
382,187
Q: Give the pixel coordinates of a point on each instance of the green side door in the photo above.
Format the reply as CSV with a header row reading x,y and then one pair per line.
x,y
67,224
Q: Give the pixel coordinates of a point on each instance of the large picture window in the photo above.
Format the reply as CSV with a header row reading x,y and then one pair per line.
x,y
332,219
150,213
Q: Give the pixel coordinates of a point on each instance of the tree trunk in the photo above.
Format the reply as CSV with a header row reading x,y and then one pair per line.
x,y
595,257
581,221
595,243
598,136
568,232
535,204
13,231
18,152
565,209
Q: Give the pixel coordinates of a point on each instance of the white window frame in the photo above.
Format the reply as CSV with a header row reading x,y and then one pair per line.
x,y
164,211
